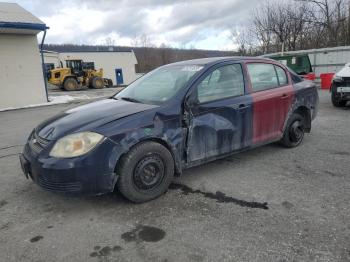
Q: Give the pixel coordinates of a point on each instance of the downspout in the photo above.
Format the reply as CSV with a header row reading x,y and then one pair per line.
x,y
43,65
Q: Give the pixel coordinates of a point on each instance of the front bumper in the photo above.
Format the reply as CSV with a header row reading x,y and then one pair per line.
x,y
341,89
343,96
91,174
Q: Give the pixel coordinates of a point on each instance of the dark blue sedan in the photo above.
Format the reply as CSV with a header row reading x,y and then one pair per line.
x,y
175,117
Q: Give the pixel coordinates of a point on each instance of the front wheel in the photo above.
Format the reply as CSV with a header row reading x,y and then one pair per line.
x,y
70,84
294,132
145,172
97,83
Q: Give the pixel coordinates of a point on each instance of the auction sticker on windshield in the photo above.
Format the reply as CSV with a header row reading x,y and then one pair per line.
x,y
192,68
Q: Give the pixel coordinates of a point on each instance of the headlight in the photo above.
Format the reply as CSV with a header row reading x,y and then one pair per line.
x,y
337,78
75,145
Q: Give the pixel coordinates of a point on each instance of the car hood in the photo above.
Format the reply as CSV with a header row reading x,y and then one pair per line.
x,y
344,72
88,117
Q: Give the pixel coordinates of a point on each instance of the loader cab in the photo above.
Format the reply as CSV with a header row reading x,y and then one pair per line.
x,y
76,66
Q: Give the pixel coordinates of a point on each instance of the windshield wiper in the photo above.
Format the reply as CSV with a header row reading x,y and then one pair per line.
x,y
130,99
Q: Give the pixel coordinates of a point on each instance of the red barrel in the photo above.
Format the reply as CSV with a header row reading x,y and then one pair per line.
x,y
326,80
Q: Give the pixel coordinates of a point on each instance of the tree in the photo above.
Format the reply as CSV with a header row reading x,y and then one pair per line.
x,y
142,41
332,16
301,24
245,40
109,41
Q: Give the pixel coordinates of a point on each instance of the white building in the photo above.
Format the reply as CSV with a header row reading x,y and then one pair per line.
x,y
118,64
21,77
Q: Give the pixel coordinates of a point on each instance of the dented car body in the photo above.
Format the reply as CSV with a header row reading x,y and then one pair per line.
x,y
204,119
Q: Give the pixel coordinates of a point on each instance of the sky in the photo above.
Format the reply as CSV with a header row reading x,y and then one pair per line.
x,y
201,24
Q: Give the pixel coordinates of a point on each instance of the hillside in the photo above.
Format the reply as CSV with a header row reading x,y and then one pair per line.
x,y
148,57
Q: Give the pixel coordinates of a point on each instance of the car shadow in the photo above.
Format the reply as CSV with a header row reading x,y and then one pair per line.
x,y
56,202
235,159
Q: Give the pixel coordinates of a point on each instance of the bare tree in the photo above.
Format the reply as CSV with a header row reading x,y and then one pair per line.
x,y
332,18
244,38
262,25
109,41
142,41
301,24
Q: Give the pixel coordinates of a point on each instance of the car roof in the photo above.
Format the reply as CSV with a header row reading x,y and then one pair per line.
x,y
215,60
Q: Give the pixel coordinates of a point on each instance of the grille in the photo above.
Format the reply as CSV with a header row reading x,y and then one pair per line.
x,y
40,143
35,147
59,186
345,82
43,142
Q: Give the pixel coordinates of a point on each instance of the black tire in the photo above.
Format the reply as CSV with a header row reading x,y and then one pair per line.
x,y
97,83
146,172
337,102
70,84
294,132
89,84
110,82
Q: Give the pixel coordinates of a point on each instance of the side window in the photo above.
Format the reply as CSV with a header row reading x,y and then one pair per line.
x,y
226,81
262,76
282,77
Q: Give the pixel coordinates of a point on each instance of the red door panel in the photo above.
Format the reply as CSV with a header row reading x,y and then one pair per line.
x,y
270,110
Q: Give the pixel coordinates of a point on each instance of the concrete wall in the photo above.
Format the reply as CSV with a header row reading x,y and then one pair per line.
x,y
329,60
52,58
109,61
21,78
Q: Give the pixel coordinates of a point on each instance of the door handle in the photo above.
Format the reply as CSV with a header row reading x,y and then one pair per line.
x,y
242,107
284,96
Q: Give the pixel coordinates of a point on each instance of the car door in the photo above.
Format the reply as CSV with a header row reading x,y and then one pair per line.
x,y
219,117
272,94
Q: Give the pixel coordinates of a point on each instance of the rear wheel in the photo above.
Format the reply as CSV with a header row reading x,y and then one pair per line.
x,y
145,172
294,132
109,82
97,83
70,84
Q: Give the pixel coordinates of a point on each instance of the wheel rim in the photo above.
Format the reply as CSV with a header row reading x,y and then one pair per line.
x,y
296,132
71,85
99,83
149,172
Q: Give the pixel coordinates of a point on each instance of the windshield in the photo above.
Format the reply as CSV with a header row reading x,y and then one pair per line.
x,y
73,64
159,85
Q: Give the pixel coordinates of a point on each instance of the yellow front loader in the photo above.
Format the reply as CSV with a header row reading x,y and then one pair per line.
x,y
76,76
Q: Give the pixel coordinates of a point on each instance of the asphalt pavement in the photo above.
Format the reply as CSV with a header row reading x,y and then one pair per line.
x,y
267,204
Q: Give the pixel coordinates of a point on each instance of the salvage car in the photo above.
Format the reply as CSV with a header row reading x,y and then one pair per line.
x,y
178,116
340,88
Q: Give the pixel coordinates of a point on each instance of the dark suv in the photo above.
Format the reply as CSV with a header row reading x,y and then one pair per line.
x,y
175,117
